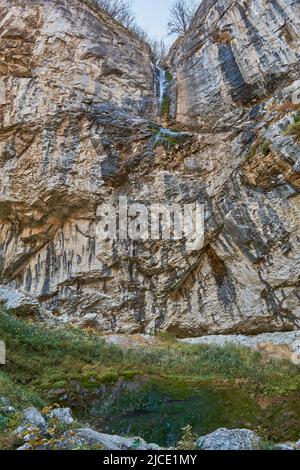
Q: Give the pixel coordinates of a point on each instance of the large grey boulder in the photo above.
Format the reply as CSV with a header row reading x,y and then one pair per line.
x,y
109,442
33,418
229,439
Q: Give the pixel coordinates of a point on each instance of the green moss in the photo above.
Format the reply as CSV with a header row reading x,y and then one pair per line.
x,y
154,128
252,152
40,357
294,130
265,148
168,76
165,107
259,145
296,117
160,408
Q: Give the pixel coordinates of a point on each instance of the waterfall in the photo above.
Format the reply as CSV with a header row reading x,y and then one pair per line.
x,y
162,84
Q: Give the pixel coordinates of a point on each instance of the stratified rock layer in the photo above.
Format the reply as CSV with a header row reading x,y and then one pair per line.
x,y
235,54
76,133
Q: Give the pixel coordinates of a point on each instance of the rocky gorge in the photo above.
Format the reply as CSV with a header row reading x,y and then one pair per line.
x,y
80,125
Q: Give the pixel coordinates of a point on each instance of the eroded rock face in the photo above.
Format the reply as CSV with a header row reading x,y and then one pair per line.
x,y
235,54
76,132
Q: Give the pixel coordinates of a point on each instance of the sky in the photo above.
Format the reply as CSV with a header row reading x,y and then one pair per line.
x,y
153,16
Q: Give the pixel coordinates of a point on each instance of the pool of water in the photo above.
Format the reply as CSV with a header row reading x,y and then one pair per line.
x,y
157,411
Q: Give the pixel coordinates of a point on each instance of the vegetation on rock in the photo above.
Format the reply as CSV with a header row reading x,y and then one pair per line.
x,y
44,365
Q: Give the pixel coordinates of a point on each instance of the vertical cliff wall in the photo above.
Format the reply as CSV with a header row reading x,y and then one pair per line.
x,y
77,130
235,54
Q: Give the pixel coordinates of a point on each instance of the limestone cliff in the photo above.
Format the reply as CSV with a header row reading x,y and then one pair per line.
x,y
236,54
77,130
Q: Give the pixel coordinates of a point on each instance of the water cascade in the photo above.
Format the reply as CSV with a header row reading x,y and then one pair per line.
x,y
163,83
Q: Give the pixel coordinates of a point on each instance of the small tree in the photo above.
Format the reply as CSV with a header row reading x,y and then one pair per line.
x,y
159,51
121,10
187,441
181,15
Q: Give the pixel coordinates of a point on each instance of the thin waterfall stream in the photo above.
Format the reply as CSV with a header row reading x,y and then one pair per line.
x,y
163,80
163,85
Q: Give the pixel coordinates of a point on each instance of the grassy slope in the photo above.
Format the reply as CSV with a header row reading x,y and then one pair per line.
x,y
40,359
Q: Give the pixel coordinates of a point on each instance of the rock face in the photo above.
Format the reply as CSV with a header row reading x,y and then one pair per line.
x,y
76,131
236,54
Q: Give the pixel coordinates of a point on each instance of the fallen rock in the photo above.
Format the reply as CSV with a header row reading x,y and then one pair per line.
x,y
63,415
27,433
229,439
31,417
110,442
8,410
25,447
284,447
287,338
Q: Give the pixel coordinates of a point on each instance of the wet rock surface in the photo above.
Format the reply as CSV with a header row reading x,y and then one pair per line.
x,y
77,130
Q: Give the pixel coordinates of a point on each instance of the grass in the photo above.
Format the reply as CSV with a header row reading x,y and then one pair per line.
x,y
41,360
266,148
296,117
165,107
263,146
168,76
294,128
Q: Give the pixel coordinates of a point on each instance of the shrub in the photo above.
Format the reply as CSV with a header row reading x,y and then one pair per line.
x,y
294,129
266,148
187,441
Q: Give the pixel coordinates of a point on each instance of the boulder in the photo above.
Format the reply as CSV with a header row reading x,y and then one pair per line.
x,y
229,439
62,415
110,442
284,447
31,417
